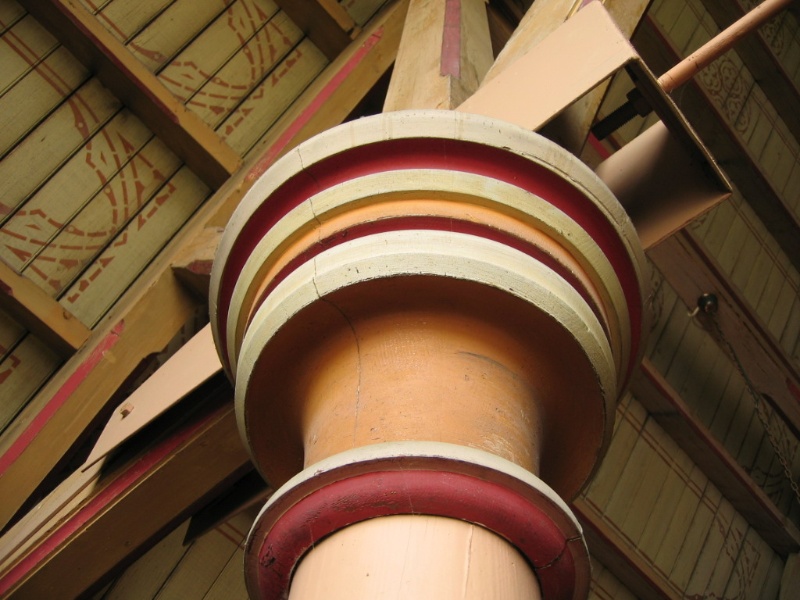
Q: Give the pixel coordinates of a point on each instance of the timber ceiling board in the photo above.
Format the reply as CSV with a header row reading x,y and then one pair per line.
x,y
768,55
129,79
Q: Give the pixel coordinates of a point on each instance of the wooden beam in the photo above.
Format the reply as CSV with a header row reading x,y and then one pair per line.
x,y
57,419
444,54
131,510
42,315
514,93
158,306
325,22
539,21
33,527
725,145
692,273
182,131
620,557
676,418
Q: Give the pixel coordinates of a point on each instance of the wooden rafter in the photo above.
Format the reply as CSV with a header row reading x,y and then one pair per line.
x,y
325,22
672,413
735,325
158,306
39,313
444,54
61,414
128,512
182,131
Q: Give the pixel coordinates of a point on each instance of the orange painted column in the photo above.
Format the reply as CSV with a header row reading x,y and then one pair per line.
x,y
428,317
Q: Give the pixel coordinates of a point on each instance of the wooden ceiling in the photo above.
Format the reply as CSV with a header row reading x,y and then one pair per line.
x,y
131,130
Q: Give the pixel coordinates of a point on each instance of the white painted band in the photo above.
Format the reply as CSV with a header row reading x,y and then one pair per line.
x,y
425,124
464,189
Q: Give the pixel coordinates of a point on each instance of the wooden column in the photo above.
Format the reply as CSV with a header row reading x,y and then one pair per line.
x,y
426,319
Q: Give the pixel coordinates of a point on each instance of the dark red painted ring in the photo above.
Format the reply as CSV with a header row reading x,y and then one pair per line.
x,y
291,526
433,153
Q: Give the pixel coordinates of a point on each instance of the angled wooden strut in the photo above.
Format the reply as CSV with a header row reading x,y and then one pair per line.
x,y
195,363
672,413
570,127
125,512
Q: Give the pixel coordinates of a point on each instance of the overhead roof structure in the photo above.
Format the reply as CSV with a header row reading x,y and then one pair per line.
x,y
130,133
